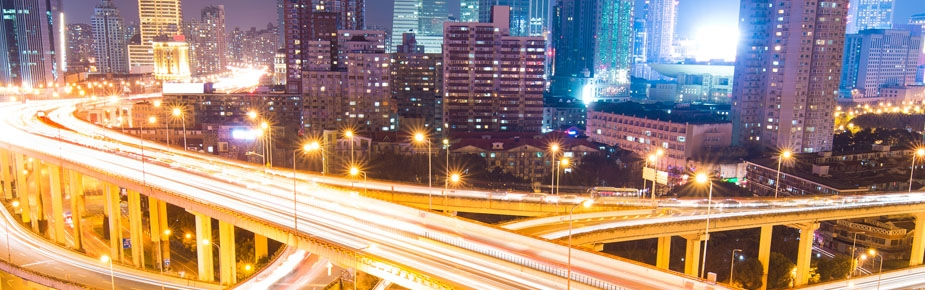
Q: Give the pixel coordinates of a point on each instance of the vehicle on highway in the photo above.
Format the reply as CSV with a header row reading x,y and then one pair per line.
x,y
536,197
601,192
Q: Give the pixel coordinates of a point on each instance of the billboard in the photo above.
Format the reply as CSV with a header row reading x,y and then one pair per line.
x,y
184,88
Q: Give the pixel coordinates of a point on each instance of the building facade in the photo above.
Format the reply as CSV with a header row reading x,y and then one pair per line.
x,y
614,49
307,21
869,14
879,58
81,56
492,81
171,58
787,73
158,17
661,16
468,10
109,39
417,84
208,44
31,43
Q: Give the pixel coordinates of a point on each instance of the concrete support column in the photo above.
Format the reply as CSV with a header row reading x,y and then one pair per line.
x,y
57,202
136,231
203,250
226,258
260,246
764,253
35,187
76,193
22,193
664,252
114,212
692,254
6,168
804,253
918,240
161,239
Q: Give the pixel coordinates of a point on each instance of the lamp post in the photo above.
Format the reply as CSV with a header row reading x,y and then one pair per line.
x,y
220,268
654,158
854,266
269,143
354,171
349,135
783,154
918,152
177,112
554,148
160,251
703,178
732,265
295,196
446,187
421,138
880,271
317,146
112,276
587,203
446,147
564,162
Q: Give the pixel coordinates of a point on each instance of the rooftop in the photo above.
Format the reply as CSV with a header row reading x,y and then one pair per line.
x,y
682,113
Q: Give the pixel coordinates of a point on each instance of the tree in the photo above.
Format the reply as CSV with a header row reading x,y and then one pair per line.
x,y
835,268
748,274
779,271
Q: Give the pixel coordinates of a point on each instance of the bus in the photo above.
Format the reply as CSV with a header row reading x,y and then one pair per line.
x,y
603,192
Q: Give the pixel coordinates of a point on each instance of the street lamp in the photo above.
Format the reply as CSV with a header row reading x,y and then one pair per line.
x,y
854,266
703,178
880,271
654,158
268,144
295,211
554,148
780,157
349,135
177,112
587,203
564,162
421,138
732,265
918,152
317,146
206,242
455,179
354,171
112,276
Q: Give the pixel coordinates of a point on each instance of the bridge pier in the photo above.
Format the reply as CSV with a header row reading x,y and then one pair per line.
x,y
135,229
57,205
203,250
75,191
764,253
113,212
36,190
804,253
6,167
692,254
22,193
226,259
918,240
157,219
260,246
663,256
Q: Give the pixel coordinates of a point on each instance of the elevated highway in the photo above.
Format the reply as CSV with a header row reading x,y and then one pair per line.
x,y
414,248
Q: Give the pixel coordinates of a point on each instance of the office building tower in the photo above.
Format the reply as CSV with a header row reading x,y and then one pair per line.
x,y
109,38
404,19
519,16
433,14
80,54
639,41
879,58
660,27
208,46
31,43
573,37
918,21
787,73
539,22
424,18
614,49
417,83
870,14
171,58
158,17
492,81
315,20
468,10
351,90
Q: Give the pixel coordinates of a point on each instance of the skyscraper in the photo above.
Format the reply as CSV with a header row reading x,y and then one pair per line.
x,y
787,73
614,48
870,14
109,39
574,27
433,14
878,58
158,17
538,21
468,10
80,54
208,46
661,17
519,16
417,82
404,19
492,81
31,45
424,18
315,20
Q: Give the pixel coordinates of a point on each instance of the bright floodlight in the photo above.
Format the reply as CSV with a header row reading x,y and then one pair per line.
x,y
653,158
348,133
152,119
786,154
252,115
554,147
920,152
104,259
205,242
177,111
701,178
564,162
354,170
587,203
454,178
419,137
659,152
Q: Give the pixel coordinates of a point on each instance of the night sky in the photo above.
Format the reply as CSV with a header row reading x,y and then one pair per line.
x,y
693,14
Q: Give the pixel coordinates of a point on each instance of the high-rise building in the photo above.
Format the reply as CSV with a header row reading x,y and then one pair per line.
x,y
158,17
433,14
31,43
492,81
417,83
80,54
208,46
424,18
519,16
787,73
404,19
660,27
468,10
918,21
171,58
614,49
315,20
539,18
640,40
351,90
870,14
879,58
573,40
109,39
